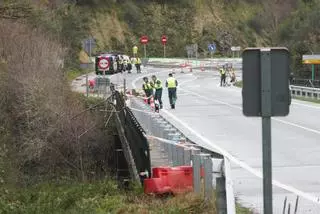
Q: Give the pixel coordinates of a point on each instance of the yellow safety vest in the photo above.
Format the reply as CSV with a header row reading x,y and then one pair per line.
x,y
157,84
147,86
222,71
171,82
138,61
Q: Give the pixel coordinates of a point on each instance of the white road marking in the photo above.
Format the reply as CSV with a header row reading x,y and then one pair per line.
x,y
306,105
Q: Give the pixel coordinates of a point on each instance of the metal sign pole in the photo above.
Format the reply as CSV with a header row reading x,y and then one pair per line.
x,y
266,129
164,51
87,77
104,80
145,51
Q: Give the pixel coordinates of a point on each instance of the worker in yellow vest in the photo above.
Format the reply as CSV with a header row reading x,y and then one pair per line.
x,y
138,65
147,88
157,85
222,76
172,84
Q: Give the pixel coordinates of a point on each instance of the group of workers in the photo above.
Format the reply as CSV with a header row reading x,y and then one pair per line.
x,y
224,70
154,89
124,63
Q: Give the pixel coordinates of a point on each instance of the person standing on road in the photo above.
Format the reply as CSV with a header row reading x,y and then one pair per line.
x,y
157,85
233,76
138,65
147,88
172,84
222,76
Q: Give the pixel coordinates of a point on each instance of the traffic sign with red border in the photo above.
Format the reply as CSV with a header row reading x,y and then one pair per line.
x,y
103,63
144,40
164,39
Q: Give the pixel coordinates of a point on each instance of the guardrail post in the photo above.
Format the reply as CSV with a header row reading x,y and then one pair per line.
x,y
230,199
187,156
180,153
175,160
221,195
196,165
208,188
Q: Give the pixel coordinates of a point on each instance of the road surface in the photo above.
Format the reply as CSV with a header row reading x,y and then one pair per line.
x,y
214,116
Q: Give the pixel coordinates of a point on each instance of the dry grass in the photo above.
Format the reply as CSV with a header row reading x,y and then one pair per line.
x,y
39,106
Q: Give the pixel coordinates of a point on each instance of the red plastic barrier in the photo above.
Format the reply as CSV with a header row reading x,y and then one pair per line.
x,y
169,180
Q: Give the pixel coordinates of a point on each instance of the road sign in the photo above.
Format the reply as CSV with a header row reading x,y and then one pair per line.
x,y
311,59
238,48
252,73
103,63
266,93
212,47
89,44
164,39
144,40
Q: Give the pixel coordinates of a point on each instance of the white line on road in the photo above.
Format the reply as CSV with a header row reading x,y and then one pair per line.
x,y
306,105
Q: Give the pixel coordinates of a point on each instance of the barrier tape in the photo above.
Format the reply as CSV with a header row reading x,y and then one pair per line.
x,y
172,142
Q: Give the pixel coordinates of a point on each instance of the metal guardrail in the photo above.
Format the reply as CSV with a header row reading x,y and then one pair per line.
x,y
307,92
177,150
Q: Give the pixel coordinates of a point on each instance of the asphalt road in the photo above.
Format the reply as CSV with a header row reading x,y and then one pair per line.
x,y
215,116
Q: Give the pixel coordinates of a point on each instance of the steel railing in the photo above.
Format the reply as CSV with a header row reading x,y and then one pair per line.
x,y
306,92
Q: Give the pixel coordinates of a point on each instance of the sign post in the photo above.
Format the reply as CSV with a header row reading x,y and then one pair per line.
x,y
235,49
144,40
164,42
265,94
88,46
266,129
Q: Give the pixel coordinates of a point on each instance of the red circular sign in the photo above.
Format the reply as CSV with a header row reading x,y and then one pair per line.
x,y
103,63
164,39
144,39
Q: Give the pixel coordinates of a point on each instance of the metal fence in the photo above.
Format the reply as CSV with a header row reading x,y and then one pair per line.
x,y
134,140
305,82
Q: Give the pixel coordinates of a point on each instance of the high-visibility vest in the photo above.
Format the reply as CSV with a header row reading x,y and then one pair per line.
x,y
147,86
157,84
222,71
138,61
171,82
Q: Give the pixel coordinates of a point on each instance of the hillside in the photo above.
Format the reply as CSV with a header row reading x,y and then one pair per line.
x,y
117,25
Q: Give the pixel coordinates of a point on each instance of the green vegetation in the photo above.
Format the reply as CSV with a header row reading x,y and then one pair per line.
x,y
98,197
307,99
238,84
